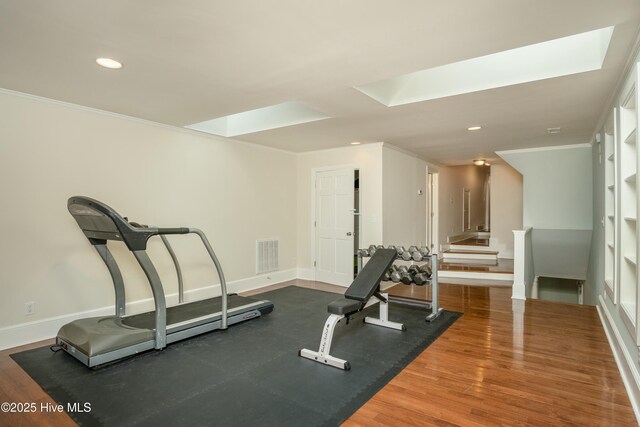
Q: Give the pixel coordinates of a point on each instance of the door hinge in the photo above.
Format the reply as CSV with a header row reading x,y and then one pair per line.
x,y
314,224
314,263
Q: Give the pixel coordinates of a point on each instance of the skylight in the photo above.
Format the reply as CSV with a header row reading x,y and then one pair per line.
x,y
272,117
560,57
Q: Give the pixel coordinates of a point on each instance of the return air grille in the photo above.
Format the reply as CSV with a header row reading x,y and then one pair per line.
x,y
266,255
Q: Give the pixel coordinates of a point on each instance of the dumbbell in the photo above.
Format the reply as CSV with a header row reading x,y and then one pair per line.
x,y
426,269
425,251
420,278
380,247
405,276
363,252
418,275
400,250
394,274
372,249
391,247
407,254
386,276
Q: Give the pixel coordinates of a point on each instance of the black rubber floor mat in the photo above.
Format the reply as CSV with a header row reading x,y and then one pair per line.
x,y
250,374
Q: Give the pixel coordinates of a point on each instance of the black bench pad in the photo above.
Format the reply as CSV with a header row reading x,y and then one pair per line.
x,y
368,280
344,306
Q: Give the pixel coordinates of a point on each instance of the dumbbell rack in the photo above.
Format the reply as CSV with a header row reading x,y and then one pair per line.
x,y
431,304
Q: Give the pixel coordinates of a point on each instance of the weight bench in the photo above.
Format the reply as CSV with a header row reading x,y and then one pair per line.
x,y
363,292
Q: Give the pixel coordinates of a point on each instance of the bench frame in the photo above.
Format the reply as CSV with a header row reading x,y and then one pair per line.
x,y
323,356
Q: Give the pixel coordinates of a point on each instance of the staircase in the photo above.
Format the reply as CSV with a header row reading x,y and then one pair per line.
x,y
472,262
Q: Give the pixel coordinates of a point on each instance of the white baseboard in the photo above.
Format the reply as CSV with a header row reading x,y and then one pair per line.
x,y
624,360
26,333
257,282
306,274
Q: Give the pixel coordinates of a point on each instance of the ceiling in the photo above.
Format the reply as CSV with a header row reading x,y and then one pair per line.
x,y
195,60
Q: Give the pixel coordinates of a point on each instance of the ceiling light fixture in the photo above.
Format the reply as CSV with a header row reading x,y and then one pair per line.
x,y
355,143
474,128
486,164
109,63
553,130
479,162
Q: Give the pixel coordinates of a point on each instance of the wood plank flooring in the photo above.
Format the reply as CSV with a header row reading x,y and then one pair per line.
x,y
536,363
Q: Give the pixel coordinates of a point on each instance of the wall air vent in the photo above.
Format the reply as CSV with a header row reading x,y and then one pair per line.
x,y
266,255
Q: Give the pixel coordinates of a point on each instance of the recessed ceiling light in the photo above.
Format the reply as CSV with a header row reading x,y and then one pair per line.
x,y
478,162
355,143
553,130
109,63
474,128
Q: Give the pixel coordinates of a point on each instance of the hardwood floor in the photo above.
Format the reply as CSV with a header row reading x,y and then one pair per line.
x,y
535,363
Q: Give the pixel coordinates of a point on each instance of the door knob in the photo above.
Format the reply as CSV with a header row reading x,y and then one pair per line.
x,y
349,233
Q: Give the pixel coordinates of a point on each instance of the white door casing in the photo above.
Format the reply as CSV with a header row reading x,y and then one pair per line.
x,y
334,210
466,209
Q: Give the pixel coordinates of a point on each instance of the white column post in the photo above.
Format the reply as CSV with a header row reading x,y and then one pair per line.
x,y
519,288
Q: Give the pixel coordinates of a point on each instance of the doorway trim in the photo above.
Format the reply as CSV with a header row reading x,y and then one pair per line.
x,y
432,211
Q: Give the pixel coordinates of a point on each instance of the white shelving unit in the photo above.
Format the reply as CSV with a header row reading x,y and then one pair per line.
x,y
610,228
627,212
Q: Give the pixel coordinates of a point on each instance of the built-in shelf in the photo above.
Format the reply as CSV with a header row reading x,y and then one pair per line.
x,y
628,309
631,259
631,138
622,266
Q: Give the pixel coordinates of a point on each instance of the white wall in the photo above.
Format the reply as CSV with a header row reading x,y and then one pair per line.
x,y
451,182
557,186
235,192
368,159
506,208
404,209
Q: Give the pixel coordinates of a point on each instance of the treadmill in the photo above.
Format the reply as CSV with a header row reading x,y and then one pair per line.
x,y
98,340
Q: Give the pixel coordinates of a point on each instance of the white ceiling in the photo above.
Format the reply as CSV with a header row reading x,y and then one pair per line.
x,y
190,61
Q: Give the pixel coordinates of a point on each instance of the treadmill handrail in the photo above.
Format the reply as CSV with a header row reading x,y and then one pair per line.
x,y
223,282
100,223
216,263
174,258
177,266
158,298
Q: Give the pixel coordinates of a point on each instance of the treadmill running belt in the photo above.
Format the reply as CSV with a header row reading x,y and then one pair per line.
x,y
187,311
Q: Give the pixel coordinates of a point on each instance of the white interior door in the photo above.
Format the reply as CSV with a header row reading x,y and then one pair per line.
x,y
334,226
